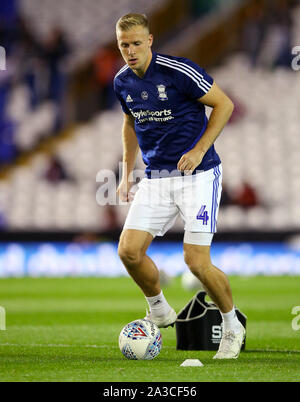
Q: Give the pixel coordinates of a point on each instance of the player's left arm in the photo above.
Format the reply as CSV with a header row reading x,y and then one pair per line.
x,y
222,108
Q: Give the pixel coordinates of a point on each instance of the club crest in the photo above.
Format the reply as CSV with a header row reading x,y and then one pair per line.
x,y
162,94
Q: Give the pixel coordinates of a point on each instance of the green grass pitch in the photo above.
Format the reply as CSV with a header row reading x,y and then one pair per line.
x,y
67,330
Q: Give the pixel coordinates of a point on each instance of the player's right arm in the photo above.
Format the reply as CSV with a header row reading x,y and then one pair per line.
x,y
130,151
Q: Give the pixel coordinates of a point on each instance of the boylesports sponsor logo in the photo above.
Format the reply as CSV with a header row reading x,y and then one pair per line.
x,y
152,115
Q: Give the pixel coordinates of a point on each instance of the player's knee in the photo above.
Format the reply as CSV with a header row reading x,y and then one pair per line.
x,y
129,255
197,263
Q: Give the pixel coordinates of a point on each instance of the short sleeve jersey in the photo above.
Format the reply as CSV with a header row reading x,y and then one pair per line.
x,y
169,119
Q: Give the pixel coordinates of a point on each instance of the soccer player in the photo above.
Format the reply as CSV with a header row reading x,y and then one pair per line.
x,y
163,99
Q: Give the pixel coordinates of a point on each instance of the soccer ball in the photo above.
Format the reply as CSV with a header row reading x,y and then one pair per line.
x,y
140,340
190,282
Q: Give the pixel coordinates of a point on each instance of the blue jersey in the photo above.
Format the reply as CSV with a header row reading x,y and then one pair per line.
x,y
169,120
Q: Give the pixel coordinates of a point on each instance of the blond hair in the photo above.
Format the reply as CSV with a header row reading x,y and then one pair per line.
x,y
131,20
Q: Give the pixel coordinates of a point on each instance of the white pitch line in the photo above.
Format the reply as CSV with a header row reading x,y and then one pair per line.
x,y
272,350
52,345
60,345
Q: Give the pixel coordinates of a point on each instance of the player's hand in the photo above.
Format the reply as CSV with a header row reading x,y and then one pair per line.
x,y
189,161
123,191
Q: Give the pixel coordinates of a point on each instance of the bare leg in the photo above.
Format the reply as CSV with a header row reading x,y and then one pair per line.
x,y
132,251
213,279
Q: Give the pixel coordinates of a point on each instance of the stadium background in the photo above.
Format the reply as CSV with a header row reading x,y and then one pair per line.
x,y
61,125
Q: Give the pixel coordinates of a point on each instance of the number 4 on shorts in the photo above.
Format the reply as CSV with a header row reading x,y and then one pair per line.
x,y
203,215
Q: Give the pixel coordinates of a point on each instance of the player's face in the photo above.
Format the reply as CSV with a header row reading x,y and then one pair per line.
x,y
135,47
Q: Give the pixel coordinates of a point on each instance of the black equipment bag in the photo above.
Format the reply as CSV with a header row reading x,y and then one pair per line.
x,y
198,325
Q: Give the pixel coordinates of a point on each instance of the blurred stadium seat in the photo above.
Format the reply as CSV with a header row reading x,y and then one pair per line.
x,y
88,25
260,147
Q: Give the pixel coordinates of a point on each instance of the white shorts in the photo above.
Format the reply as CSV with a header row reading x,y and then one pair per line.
x,y
196,198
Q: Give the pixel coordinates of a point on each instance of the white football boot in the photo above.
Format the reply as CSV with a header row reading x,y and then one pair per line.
x,y
230,345
163,321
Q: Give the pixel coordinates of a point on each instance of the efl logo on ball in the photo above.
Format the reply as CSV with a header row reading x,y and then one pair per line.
x,y
140,340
